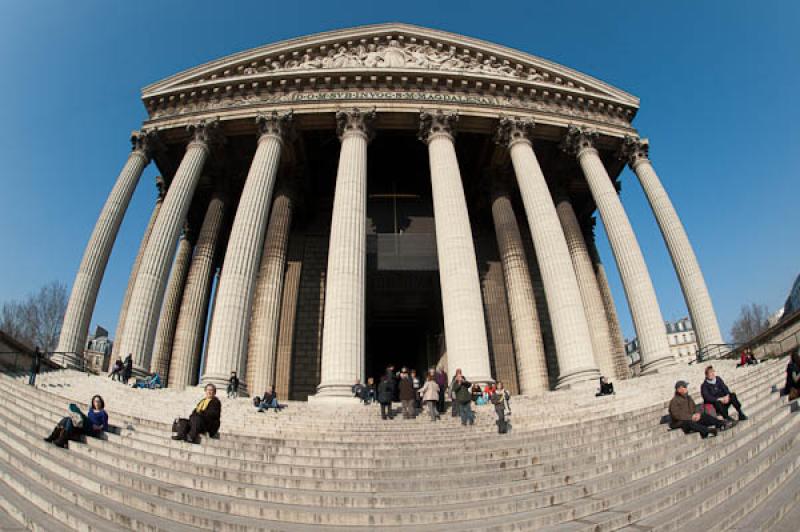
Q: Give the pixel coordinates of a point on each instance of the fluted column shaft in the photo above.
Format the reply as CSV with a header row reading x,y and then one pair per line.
x,y
639,290
464,325
588,286
168,320
568,319
95,258
621,364
267,305
528,345
227,349
123,310
684,260
148,292
190,329
345,280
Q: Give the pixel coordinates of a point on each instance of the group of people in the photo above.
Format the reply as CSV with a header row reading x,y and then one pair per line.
x,y
746,358
713,415
414,394
122,370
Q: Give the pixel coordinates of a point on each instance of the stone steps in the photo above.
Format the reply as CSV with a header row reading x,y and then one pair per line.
x,y
767,510
565,476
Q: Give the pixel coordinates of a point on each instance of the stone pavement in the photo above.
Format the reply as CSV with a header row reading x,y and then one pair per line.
x,y
571,462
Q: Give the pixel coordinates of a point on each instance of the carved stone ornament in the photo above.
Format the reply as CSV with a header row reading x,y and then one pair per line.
x,y
145,141
578,139
394,54
438,123
274,123
206,132
511,130
634,150
355,121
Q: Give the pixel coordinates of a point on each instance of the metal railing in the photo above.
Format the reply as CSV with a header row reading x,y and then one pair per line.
x,y
21,361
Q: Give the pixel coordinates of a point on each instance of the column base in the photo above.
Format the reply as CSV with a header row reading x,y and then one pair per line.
x,y
577,376
335,392
655,365
221,382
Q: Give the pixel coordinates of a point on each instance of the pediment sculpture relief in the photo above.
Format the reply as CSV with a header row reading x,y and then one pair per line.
x,y
395,54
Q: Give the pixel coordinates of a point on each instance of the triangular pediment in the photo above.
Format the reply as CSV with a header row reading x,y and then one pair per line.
x,y
386,49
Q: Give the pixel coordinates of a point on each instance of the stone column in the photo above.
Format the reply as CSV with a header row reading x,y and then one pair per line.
x,y
528,345
588,286
93,265
227,349
621,363
267,304
123,310
345,286
684,260
464,325
165,333
639,289
148,291
189,333
568,319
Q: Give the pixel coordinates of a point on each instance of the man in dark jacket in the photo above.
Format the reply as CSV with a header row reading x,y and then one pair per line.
x,y
127,370
204,419
36,366
385,397
463,396
684,415
407,395
716,393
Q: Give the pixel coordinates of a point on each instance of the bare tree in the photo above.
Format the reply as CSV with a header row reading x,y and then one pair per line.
x,y
36,320
752,321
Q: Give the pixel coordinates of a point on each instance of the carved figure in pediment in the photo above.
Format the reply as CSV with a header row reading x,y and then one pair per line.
x,y
394,56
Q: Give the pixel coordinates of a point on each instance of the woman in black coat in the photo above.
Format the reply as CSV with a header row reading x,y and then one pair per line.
x,y
385,392
205,418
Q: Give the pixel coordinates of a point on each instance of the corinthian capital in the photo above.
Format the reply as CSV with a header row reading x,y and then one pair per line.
x,y
513,130
205,132
436,124
579,139
634,151
275,124
145,142
355,122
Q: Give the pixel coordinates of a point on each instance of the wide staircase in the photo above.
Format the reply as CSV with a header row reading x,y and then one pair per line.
x,y
571,462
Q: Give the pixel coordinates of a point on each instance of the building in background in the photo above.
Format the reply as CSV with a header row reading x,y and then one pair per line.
x,y
98,350
682,344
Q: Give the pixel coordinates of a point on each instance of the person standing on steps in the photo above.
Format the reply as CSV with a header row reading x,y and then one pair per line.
x,y
407,393
453,402
499,399
385,396
417,383
716,393
205,418
684,415
430,396
116,371
440,376
463,396
127,370
36,366
233,386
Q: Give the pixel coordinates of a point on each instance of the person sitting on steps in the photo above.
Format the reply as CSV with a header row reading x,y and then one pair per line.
x,y
606,388
684,415
357,388
717,394
205,418
269,400
233,386
793,375
76,423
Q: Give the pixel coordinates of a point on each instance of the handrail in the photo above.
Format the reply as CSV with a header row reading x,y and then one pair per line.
x,y
22,360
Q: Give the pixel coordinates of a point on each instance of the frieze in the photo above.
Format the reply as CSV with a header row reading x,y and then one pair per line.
x,y
297,97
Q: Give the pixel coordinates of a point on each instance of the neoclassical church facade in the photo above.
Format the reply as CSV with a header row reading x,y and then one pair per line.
x,y
387,194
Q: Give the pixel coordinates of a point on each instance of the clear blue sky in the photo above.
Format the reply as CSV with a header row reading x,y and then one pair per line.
x,y
717,80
